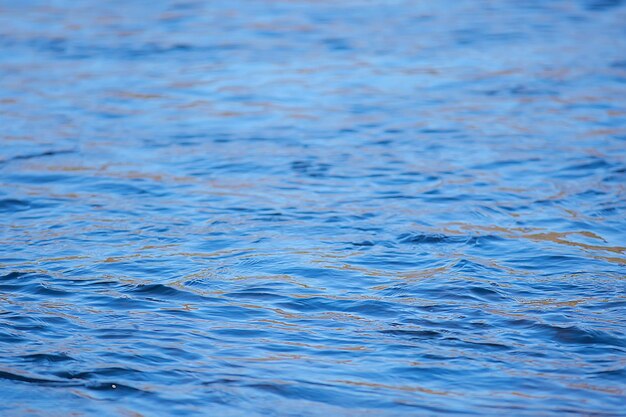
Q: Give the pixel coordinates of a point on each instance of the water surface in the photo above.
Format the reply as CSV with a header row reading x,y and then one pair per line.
x,y
312,208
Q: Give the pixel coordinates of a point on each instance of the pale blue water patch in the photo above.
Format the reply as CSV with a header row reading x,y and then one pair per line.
x,y
308,208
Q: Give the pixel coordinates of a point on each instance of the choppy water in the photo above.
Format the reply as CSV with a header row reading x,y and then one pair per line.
x,y
305,208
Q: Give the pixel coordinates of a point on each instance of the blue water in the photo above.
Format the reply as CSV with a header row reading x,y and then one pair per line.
x,y
312,208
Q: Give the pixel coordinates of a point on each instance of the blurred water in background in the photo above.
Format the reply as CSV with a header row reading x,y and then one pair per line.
x,y
306,207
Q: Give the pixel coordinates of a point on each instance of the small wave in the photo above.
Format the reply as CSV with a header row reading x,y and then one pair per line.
x,y
12,376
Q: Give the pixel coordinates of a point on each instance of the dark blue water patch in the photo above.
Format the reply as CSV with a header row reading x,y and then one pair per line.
x,y
524,91
576,336
12,205
33,379
617,374
413,334
47,358
437,239
603,5
44,178
473,37
36,155
309,168
63,48
255,294
160,292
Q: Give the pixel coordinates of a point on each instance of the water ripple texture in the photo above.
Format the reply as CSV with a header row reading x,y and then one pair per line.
x,y
311,208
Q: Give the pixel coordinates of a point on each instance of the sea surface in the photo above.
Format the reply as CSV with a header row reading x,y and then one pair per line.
x,y
312,208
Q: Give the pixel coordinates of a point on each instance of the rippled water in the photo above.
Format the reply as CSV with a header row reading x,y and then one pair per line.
x,y
306,207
